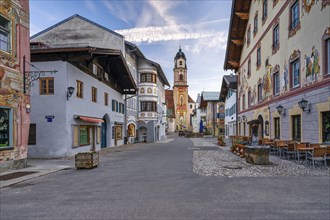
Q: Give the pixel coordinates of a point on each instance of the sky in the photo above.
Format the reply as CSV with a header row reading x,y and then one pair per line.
x,y
158,28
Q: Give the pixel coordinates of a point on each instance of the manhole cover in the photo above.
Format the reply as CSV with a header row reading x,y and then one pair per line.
x,y
14,175
233,167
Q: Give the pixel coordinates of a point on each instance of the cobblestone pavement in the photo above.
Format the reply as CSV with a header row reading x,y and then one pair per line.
x,y
222,162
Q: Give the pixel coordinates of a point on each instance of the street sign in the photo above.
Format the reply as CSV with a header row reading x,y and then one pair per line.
x,y
49,118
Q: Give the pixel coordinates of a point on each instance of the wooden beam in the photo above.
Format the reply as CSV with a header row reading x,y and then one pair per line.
x,y
237,42
242,15
234,63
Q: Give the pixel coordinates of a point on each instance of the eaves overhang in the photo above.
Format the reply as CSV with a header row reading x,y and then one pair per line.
x,y
237,28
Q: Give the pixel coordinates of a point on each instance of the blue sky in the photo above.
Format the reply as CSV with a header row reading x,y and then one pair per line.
x,y
158,28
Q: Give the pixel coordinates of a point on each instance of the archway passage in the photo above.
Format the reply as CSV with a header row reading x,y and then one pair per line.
x,y
131,131
143,134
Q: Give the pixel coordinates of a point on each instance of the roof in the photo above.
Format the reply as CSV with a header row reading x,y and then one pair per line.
x,y
210,96
72,17
170,103
112,61
228,82
190,100
238,22
180,54
133,48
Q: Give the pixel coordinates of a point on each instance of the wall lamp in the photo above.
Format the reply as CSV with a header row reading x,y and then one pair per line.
x,y
303,104
69,92
27,108
243,118
280,109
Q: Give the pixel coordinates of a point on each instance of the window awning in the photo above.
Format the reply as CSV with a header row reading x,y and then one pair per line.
x,y
89,119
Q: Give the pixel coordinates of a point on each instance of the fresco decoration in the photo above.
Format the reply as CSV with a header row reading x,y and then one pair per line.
x,y
253,95
8,10
311,67
244,85
307,6
285,79
267,80
325,3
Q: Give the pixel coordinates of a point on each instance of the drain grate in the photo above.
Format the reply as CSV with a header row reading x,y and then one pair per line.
x,y
14,175
233,167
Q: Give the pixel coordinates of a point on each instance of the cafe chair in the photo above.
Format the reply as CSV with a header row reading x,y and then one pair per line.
x,y
318,154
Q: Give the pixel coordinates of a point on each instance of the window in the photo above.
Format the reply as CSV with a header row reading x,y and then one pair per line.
x,y
295,74
181,76
5,127
80,88
255,28
296,127
264,10
276,43
32,135
148,77
46,86
294,15
121,107
180,63
267,128
243,101
249,68
83,135
327,57
259,57
259,92
249,35
119,132
276,83
5,34
149,106
277,130
191,106
249,98
326,127
113,105
94,94
106,99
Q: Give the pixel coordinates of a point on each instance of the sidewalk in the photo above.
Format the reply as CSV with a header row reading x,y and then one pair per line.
x,y
41,167
36,168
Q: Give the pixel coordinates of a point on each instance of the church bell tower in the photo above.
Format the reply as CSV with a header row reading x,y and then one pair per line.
x,y
180,91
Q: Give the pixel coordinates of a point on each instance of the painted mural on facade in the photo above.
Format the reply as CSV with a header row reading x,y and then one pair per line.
x,y
311,67
267,82
284,79
181,108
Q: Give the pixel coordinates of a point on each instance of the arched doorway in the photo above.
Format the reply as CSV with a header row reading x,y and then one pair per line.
x,y
104,129
260,127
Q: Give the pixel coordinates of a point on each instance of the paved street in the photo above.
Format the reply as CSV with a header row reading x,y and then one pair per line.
x,y
156,181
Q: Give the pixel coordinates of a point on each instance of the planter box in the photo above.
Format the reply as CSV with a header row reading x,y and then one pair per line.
x,y
86,160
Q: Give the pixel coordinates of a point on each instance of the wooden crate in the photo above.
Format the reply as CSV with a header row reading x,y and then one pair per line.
x,y
86,160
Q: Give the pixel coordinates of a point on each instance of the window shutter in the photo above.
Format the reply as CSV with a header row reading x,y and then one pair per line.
x,y
98,137
75,135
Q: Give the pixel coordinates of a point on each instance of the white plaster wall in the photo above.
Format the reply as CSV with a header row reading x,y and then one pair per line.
x,y
55,139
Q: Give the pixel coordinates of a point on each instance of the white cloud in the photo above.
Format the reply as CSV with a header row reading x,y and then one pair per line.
x,y
124,10
90,6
